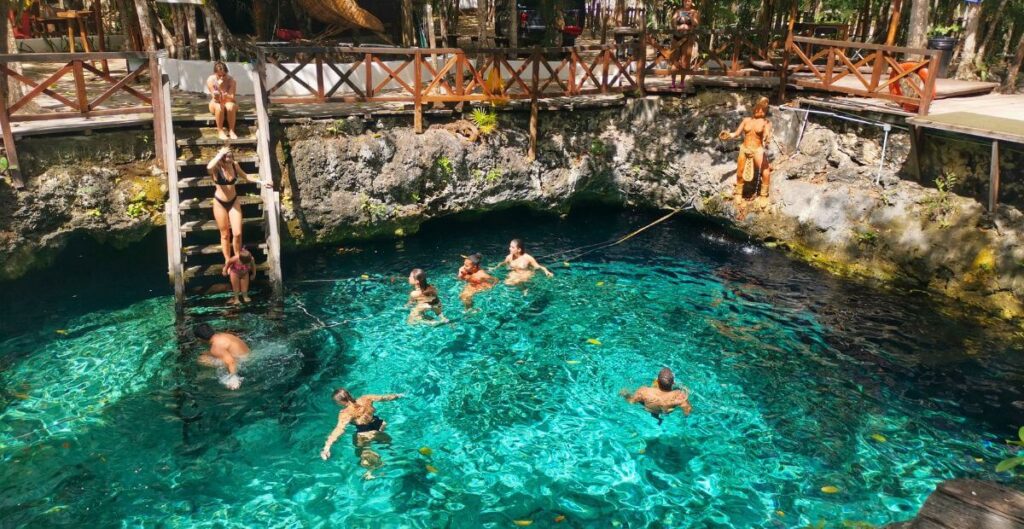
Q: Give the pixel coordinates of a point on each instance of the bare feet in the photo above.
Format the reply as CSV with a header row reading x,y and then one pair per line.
x,y
221,135
246,298
234,301
232,135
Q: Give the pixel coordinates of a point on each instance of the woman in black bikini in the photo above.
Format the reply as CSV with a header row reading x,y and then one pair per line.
x,y
369,427
225,172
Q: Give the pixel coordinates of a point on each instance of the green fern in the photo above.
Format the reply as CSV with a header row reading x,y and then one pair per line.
x,y
486,122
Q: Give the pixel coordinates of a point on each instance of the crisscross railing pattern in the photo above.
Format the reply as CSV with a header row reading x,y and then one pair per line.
x,y
869,70
89,92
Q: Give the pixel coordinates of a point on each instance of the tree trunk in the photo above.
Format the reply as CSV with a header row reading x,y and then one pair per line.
x,y
973,18
917,30
1006,43
442,22
214,20
513,24
1010,85
178,25
993,23
261,12
408,31
145,25
193,35
129,27
14,88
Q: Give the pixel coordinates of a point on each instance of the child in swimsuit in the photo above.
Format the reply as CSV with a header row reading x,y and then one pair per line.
x,y
242,268
423,298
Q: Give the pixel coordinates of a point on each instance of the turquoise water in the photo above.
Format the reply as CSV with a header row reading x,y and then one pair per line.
x,y
800,381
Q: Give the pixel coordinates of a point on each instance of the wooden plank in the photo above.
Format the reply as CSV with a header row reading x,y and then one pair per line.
x,y
417,95
993,178
176,272
531,154
866,46
991,128
271,199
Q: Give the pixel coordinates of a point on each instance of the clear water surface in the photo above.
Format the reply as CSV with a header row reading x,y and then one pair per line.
x,y
800,382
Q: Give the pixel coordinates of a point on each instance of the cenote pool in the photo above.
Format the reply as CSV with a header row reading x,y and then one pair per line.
x,y
800,382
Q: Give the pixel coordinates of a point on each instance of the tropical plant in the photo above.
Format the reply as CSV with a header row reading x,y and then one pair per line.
x,y
486,121
1011,463
943,30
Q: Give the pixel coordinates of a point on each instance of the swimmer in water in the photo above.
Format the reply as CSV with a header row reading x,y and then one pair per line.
x,y
423,298
476,279
369,426
225,350
661,398
521,264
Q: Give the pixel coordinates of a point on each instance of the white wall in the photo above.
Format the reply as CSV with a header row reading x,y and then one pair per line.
x,y
60,44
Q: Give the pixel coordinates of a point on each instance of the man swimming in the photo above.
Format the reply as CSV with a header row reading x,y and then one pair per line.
x,y
521,264
225,350
476,279
369,426
661,398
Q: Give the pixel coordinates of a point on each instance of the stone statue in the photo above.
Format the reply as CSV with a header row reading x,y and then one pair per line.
x,y
756,132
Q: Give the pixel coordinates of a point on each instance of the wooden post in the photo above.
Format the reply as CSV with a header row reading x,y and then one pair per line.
x,y
319,78
271,197
641,58
784,73
417,95
572,72
929,86
13,168
916,137
993,178
177,271
81,97
156,91
368,59
531,155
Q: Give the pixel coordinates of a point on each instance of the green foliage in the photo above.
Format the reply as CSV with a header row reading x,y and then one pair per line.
x,y
95,213
137,206
444,166
867,237
597,147
486,121
494,174
4,164
336,127
374,209
1012,463
478,174
939,30
940,205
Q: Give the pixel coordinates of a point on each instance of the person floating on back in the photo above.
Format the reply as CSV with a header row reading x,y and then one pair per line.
x,y
226,350
476,279
369,426
521,264
423,298
242,268
661,398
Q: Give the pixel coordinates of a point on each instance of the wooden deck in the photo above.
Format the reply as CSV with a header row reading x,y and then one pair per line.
x,y
994,116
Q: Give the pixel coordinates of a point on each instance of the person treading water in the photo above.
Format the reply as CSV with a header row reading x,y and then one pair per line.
x,y
521,264
423,298
661,398
226,350
369,426
477,280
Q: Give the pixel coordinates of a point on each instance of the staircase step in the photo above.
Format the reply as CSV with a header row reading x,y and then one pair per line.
x,y
196,142
214,270
207,203
205,181
211,225
198,162
214,249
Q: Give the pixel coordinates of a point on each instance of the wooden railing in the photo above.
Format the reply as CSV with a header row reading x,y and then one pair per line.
x,y
727,53
869,70
442,75
73,87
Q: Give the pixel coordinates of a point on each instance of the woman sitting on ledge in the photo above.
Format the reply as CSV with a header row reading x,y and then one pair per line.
x,y
222,103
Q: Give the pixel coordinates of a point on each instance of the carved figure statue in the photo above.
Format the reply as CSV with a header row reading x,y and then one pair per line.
x,y
756,132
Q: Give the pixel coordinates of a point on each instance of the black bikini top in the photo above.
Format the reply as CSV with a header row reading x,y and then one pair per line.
x,y
220,178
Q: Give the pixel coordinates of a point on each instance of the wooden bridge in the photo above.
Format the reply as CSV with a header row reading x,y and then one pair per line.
x,y
80,91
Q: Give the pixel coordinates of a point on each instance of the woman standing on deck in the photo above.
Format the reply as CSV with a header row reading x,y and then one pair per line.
x,y
225,172
222,103
684,42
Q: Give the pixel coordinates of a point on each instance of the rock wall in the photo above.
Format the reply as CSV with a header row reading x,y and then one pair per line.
x,y
100,186
355,179
352,179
